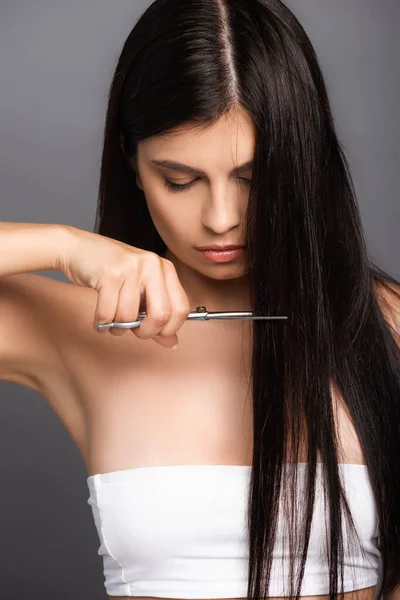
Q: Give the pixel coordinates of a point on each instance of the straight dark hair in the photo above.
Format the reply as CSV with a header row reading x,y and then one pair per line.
x,y
189,62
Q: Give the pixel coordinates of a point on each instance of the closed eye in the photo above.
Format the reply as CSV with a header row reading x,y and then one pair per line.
x,y
176,187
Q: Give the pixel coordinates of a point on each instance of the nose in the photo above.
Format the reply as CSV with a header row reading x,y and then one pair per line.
x,y
224,208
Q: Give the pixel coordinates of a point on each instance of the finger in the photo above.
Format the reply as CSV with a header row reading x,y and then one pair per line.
x,y
158,306
107,301
179,301
128,304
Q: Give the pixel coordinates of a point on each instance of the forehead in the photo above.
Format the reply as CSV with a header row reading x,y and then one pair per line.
x,y
228,142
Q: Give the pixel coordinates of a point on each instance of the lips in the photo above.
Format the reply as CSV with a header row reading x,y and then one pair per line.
x,y
223,256
216,248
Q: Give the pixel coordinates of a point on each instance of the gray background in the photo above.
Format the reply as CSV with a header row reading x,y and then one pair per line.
x,y
56,63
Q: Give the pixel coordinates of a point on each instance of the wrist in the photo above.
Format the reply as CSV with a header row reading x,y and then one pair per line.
x,y
63,238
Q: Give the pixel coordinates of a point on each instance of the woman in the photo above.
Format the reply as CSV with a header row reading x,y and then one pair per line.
x,y
219,132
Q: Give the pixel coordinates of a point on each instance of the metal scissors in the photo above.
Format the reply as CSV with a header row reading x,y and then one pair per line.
x,y
200,314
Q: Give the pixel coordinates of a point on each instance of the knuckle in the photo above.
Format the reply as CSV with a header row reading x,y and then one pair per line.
x,y
130,260
152,259
182,310
113,275
161,317
168,264
103,316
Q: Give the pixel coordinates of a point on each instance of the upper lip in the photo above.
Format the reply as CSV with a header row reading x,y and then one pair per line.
x,y
222,248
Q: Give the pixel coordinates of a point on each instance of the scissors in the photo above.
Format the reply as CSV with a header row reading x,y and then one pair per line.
x,y
200,314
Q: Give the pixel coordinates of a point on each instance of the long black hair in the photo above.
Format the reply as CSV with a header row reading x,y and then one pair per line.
x,y
191,61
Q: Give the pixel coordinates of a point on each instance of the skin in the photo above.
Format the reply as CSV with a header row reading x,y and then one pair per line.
x,y
128,402
212,211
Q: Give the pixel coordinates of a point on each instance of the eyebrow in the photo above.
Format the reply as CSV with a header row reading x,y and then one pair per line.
x,y
176,166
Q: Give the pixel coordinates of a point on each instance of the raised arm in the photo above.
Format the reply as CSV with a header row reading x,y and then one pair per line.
x,y
26,247
25,350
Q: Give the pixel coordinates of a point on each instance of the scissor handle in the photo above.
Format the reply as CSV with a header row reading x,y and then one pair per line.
x,y
141,316
132,325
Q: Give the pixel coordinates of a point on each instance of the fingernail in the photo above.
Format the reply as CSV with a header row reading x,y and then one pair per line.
x,y
160,337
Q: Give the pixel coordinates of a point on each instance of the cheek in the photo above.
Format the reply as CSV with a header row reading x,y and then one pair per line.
x,y
169,219
157,205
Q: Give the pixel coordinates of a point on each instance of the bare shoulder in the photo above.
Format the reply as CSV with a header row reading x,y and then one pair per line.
x,y
388,296
31,307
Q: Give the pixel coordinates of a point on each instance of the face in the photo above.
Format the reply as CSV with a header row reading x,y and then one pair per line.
x,y
191,209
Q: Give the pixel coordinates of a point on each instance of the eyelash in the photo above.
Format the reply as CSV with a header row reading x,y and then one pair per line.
x,y
176,187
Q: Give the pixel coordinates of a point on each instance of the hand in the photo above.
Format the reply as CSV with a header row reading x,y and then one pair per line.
x,y
125,277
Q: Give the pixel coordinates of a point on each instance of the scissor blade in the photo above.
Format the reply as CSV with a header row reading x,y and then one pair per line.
x,y
236,315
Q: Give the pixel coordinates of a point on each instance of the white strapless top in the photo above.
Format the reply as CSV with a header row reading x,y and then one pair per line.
x,y
179,532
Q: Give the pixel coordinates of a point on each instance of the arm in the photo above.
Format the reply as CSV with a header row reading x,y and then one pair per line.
x,y
390,305
26,247
388,297
395,595
26,352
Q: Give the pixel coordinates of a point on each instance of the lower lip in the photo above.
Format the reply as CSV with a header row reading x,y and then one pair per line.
x,y
223,256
